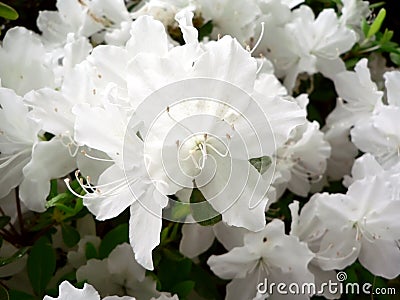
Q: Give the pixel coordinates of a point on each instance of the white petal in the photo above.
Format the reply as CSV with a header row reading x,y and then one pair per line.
x,y
195,239
388,264
68,292
237,191
107,206
147,36
392,81
145,226
234,264
121,260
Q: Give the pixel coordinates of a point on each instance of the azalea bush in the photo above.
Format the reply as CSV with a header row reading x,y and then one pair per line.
x,y
176,149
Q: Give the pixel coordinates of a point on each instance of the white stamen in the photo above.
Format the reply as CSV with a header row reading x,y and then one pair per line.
x,y
259,39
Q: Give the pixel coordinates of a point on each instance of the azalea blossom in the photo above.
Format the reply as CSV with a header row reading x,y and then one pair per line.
x,y
127,276
359,224
265,254
67,291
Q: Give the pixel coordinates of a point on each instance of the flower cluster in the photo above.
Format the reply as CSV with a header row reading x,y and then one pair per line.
x,y
148,114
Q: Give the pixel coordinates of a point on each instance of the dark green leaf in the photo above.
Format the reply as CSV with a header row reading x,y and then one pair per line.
x,y
41,265
205,282
376,25
17,255
365,27
202,211
90,251
7,12
4,293
395,58
261,163
116,236
4,220
171,272
205,30
70,235
18,295
183,288
173,255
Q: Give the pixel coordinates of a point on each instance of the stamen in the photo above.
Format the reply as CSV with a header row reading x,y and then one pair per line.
x,y
96,158
260,67
259,39
177,122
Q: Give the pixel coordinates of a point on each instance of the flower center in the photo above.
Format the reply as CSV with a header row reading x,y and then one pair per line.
x,y
196,152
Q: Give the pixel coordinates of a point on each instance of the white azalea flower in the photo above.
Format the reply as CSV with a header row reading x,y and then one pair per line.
x,y
67,291
302,161
353,12
358,98
265,254
22,62
83,18
119,274
363,223
309,229
320,42
18,134
379,134
23,154
108,124
233,17
196,238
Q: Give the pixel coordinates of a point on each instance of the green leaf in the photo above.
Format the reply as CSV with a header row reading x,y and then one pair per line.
x,y
395,58
70,235
7,12
387,36
172,254
114,237
172,272
183,288
180,210
4,220
205,30
4,293
205,282
41,265
18,295
90,251
60,198
202,211
261,163
365,27
17,255
376,25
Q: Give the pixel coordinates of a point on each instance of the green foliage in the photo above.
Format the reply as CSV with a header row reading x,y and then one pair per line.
x,y
70,235
113,238
7,12
16,256
18,295
41,265
4,295
376,25
4,220
261,163
202,211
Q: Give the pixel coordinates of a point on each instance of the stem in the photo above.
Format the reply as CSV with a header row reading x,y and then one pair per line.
x,y
19,212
